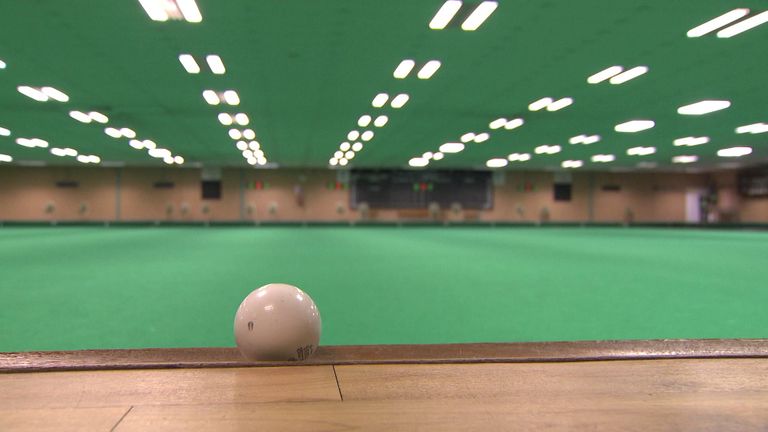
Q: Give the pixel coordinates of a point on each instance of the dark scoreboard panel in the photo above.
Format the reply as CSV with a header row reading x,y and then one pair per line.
x,y
754,182
403,189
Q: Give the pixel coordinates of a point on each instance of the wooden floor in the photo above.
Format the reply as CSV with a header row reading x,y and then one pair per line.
x,y
716,394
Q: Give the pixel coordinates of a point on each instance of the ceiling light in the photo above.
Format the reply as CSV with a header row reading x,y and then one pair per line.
x,y
641,151
353,135
258,154
380,121
603,158
190,11
734,152
343,162
2,64
216,65
684,159
54,94
691,141
427,155
178,160
5,158
189,63
604,74
634,126
716,23
404,68
242,145
83,159
80,116
154,9
149,144
628,75
379,100
743,26
418,162
437,156
577,139
481,137
37,142
590,139
344,146
225,119
138,145
235,134
519,157
703,107
364,121
367,135
254,145
496,163
168,160
357,146
211,97
249,134
451,147
499,122
429,69
445,14
32,93
247,153
98,117
539,104
252,161
70,152
479,15
128,133
242,119
349,155
114,133
58,152
4,132
333,161
514,123
467,137
159,153
400,100
338,154
572,164
754,128
559,104
32,142
231,97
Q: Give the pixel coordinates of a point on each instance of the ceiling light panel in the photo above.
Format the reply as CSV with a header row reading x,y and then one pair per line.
x,y
479,15
716,23
605,74
445,14
743,26
704,107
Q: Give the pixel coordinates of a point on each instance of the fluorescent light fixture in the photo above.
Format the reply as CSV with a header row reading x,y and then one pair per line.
x,y
539,104
364,121
451,147
32,142
399,100
216,65
427,155
381,121
128,133
114,133
479,15
743,26
353,135
231,97
590,139
754,128
357,146
247,153
149,144
211,97
4,132
249,134
258,153
70,152
641,151
634,126
734,151
80,116
547,149
235,134
519,157
252,161
225,119
33,93
242,146
5,158
168,160
685,159
2,64
254,145
98,117
628,75
483,137
138,145
496,163
189,63
83,159
445,14
428,69
404,68
338,154
418,162
467,137
367,135
379,100
603,158
691,141
577,139
178,160
242,119
333,161
572,164
437,156
604,74
514,123
703,107
54,94
345,146
343,162
159,153
498,123
154,9
190,11
716,23
58,152
559,104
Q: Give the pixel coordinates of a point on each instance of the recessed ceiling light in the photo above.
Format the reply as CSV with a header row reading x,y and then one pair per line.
x,y
344,146
572,164
514,123
5,158
603,158
33,93
577,139
380,100
427,155
380,121
338,154
189,63
242,146
445,14
404,68
367,135
159,153
247,153
80,116
481,137
628,75
242,119
333,161
168,160
364,121
539,104
519,157
249,134
357,146
98,117
590,139
353,135
231,97
429,69
149,144
467,137
634,126
190,11
114,133
734,151
418,162
685,159
691,141
754,128
437,156
479,15
743,26
547,149
178,160
252,161
258,154
58,152
225,119
716,23
254,145
498,123
55,94
138,145
703,107
559,104
451,147
235,134
496,163
4,132
128,133
604,74
216,65
641,151
399,100
343,162
211,97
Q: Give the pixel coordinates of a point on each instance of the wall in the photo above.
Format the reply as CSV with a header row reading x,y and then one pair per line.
x,y
129,194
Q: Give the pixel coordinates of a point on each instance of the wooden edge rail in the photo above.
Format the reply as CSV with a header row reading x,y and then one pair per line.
x,y
516,352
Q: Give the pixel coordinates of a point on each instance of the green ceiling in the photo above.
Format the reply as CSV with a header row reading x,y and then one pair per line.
x,y
306,70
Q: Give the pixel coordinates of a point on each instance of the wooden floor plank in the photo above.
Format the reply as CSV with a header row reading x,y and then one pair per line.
x,y
519,381
166,386
643,413
60,419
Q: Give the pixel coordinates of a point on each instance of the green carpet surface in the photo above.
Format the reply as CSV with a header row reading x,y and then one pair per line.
x,y
65,288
